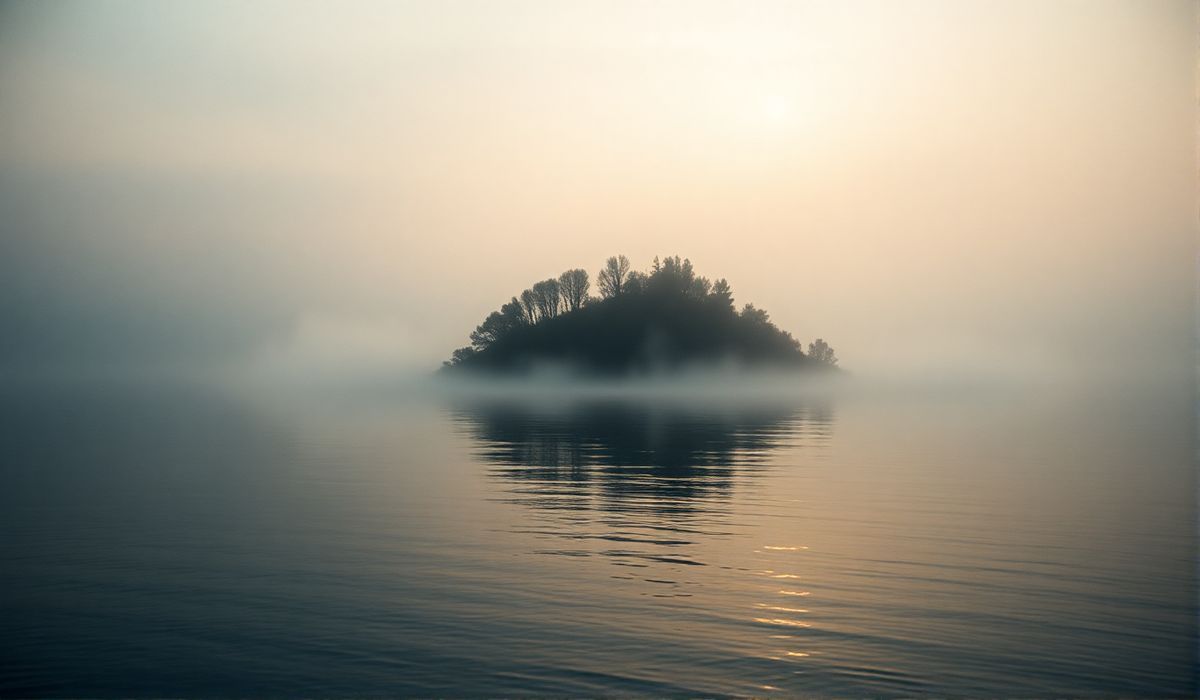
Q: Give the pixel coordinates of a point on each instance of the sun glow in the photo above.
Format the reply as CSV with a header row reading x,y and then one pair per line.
x,y
776,109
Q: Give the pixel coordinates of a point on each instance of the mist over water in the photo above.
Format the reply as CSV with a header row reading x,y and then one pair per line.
x,y
169,538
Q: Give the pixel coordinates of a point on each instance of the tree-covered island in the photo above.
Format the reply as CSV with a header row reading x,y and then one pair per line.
x,y
662,319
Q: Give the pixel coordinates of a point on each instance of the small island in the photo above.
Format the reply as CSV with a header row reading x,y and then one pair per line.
x,y
664,319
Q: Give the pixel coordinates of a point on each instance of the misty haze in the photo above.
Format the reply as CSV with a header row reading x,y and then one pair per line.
x,y
532,348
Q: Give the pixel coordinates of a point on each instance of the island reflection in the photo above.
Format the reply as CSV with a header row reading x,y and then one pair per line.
x,y
646,479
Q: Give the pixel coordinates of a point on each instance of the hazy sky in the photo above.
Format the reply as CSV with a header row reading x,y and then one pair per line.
x,y
926,185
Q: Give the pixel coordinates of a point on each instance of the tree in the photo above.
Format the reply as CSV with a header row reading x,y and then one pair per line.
x,y
529,306
755,315
820,351
699,288
487,332
611,279
574,286
722,292
498,324
635,283
675,266
514,314
673,275
547,296
459,355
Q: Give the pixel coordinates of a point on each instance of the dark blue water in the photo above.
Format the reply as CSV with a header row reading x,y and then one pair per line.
x,y
180,542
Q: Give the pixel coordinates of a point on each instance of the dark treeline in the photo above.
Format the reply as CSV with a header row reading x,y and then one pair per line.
x,y
663,318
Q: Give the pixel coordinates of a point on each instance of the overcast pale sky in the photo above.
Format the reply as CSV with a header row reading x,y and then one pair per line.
x,y
979,186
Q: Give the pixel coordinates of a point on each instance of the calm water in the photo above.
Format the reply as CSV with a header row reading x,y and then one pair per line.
x,y
174,542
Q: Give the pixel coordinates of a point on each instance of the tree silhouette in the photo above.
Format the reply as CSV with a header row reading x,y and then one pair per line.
x,y
529,306
574,285
820,351
635,283
611,279
671,275
460,356
722,293
755,315
498,324
514,314
487,332
548,297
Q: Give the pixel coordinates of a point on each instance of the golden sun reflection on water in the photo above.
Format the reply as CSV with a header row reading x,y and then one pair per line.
x,y
779,608
781,621
770,555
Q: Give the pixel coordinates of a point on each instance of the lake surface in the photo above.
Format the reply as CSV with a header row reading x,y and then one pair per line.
x,y
182,542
